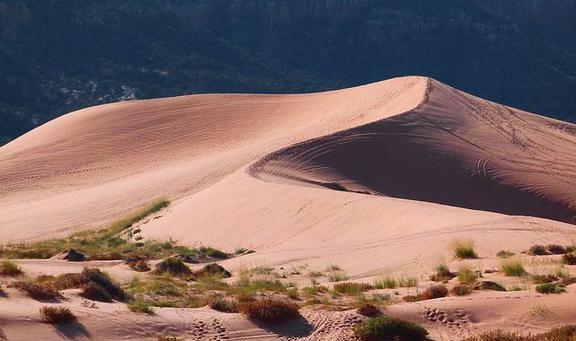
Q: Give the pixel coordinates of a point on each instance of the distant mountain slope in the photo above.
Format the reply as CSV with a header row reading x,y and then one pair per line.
x,y
60,55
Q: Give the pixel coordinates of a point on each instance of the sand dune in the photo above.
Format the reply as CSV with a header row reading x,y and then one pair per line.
x,y
377,178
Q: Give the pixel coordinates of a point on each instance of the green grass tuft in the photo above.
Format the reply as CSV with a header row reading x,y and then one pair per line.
x,y
463,248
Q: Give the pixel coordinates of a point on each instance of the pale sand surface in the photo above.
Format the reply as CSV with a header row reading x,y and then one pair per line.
x,y
377,179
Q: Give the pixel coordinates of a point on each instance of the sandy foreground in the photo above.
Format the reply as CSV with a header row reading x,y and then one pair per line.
x,y
377,179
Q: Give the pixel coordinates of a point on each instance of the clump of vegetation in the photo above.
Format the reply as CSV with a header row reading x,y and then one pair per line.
x,y
37,291
569,259
243,251
550,288
369,310
387,282
512,267
504,254
350,288
466,275
556,249
271,311
225,305
406,281
140,265
9,268
213,270
100,287
442,274
141,307
57,315
489,285
389,328
541,279
435,291
336,276
537,250
566,333
172,266
212,252
461,290
463,249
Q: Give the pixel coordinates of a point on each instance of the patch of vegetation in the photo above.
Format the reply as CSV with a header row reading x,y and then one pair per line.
x,y
213,270
435,291
442,274
140,265
352,289
387,282
36,291
556,249
141,307
565,333
466,275
243,251
512,267
406,281
504,254
463,248
461,290
172,266
100,287
9,268
56,315
336,276
271,311
389,328
569,259
537,250
550,288
542,279
489,285
368,310
225,305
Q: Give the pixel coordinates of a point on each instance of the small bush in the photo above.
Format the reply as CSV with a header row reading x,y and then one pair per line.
x,y
172,266
139,265
549,288
463,249
271,311
224,305
389,328
213,270
504,254
368,310
57,315
388,282
350,288
336,276
95,292
36,291
461,290
466,275
99,284
9,268
435,291
407,281
537,250
542,279
489,285
142,307
512,267
443,273
556,249
213,253
569,259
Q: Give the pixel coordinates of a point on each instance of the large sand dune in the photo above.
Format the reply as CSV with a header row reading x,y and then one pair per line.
x,y
377,178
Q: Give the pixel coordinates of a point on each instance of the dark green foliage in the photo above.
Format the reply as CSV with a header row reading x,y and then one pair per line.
x,y
389,328
172,266
350,288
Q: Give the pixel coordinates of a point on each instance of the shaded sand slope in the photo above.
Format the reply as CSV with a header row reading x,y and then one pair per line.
x,y
91,166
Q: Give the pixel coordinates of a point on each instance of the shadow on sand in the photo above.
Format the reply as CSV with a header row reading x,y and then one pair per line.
x,y
297,327
72,331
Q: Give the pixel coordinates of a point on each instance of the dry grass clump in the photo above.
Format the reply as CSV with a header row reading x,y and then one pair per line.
x,y
141,307
463,248
461,290
37,291
541,279
272,311
225,305
565,333
569,259
489,285
389,328
504,254
550,288
350,288
9,268
387,282
512,267
466,275
442,274
56,315
172,266
368,310
435,291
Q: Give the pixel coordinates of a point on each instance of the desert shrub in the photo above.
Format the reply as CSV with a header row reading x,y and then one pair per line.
x,y
461,290
62,282
442,274
243,251
212,252
224,305
463,249
271,311
489,285
389,328
139,265
350,288
336,276
140,306
541,279
466,275
407,281
9,268
56,315
172,266
556,249
95,292
293,293
97,281
37,291
537,250
569,259
549,288
213,270
369,310
435,291
387,282
565,333
512,267
504,254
